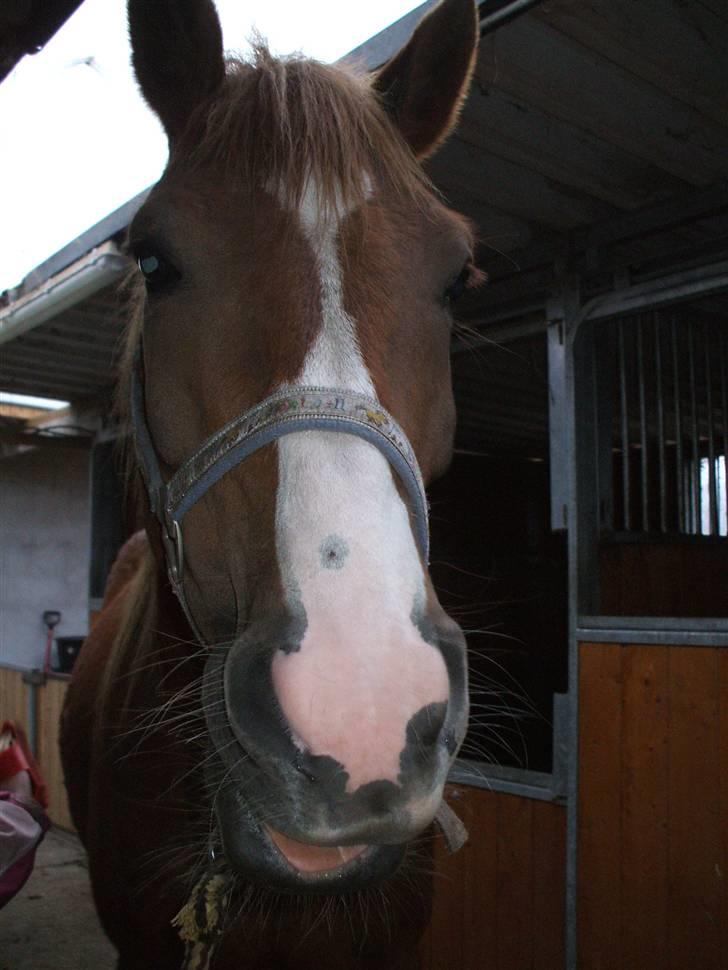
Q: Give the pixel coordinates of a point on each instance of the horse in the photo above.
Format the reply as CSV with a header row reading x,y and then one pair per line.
x,y
260,725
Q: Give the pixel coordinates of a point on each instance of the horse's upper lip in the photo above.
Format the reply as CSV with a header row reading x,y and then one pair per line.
x,y
315,860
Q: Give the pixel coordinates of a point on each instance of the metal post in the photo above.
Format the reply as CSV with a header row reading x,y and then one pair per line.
x,y
624,416
33,679
644,467
695,503
660,425
712,484
679,470
581,535
724,414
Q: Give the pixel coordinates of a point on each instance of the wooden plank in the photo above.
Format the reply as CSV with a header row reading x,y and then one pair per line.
x,y
449,890
695,880
499,902
522,193
481,890
13,697
723,773
600,806
514,904
680,48
549,899
501,124
50,704
645,811
541,66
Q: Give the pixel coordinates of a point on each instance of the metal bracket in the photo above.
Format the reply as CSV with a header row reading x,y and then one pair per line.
x,y
174,550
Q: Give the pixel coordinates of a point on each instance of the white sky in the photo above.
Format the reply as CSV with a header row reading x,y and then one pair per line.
x,y
77,139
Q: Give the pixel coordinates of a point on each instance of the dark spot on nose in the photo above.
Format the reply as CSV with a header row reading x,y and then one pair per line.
x,y
333,552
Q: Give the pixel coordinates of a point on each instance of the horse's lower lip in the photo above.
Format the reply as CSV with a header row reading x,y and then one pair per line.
x,y
313,859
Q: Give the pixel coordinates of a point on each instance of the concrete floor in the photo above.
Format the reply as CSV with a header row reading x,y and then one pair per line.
x,y
51,924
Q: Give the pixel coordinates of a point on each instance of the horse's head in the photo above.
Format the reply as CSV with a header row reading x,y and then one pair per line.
x,y
293,242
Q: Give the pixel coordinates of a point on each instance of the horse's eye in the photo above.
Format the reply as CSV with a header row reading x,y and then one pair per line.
x,y
459,285
158,272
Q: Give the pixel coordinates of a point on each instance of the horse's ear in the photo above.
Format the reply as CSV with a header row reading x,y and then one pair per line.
x,y
177,55
424,86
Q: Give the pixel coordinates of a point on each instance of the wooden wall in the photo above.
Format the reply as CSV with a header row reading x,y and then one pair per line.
x,y
14,706
653,808
663,578
499,902
13,697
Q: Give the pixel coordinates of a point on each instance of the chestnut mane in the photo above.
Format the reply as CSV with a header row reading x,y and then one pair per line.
x,y
283,121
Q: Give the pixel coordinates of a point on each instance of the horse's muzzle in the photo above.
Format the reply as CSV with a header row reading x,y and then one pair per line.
x,y
275,799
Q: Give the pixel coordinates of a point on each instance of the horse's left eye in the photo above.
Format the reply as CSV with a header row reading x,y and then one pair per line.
x,y
158,272
459,285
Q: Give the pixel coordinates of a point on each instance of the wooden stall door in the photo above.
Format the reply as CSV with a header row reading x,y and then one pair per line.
x,y
499,902
653,808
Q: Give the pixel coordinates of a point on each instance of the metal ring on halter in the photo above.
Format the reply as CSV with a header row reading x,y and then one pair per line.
x,y
288,411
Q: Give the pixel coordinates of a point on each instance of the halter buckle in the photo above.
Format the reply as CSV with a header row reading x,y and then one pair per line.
x,y
174,550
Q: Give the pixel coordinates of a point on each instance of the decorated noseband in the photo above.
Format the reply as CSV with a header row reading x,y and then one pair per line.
x,y
288,411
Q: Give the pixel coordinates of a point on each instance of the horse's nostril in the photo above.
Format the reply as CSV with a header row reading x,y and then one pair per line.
x,y
302,769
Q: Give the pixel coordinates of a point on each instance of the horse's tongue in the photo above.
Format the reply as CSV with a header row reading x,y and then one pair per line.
x,y
313,858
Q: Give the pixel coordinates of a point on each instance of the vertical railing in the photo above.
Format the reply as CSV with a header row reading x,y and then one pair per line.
x,y
659,396
677,402
712,484
670,386
694,471
624,426
644,454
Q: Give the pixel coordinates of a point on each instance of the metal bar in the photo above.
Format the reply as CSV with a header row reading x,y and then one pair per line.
x,y
90,274
679,470
701,624
644,465
624,421
560,744
722,352
510,781
637,637
33,718
558,419
374,52
687,285
660,425
574,460
712,484
504,11
33,679
695,505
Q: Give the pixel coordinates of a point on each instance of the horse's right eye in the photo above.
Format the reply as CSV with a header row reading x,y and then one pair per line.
x,y
158,272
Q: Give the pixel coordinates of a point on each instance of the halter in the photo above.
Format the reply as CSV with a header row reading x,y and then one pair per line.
x,y
290,410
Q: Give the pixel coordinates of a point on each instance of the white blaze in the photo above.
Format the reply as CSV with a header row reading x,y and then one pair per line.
x,y
347,553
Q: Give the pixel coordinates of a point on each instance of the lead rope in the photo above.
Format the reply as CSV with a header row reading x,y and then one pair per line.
x,y
199,922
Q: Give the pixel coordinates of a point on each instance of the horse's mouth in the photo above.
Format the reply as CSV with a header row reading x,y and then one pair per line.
x,y
267,856
314,860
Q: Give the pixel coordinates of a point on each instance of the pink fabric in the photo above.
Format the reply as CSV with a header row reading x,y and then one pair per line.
x,y
23,823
